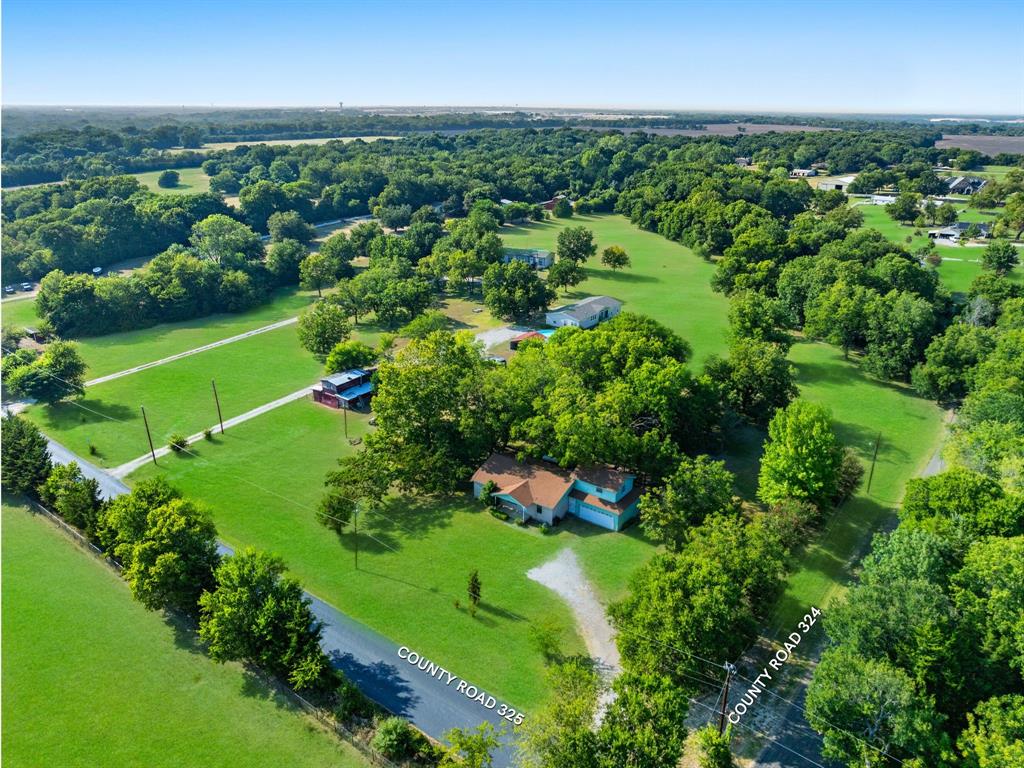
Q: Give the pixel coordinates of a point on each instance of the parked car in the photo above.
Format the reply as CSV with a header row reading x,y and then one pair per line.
x,y
26,286
9,289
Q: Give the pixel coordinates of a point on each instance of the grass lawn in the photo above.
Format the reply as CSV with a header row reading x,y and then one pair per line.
x,y
667,280
407,594
191,181
178,396
120,351
960,263
19,312
93,679
862,408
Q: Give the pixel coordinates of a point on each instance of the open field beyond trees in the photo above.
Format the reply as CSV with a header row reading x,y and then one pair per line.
x,y
961,263
93,679
192,181
667,280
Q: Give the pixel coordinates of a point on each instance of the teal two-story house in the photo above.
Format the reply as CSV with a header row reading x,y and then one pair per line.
x,y
545,492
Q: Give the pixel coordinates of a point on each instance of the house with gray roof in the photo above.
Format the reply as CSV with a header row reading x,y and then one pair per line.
x,y
965,185
584,314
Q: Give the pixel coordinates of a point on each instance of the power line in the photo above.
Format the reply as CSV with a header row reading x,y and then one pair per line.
x,y
707,678
762,735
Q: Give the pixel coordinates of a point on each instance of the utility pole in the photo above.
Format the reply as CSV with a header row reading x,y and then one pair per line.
x,y
355,519
148,435
729,669
216,399
345,409
874,456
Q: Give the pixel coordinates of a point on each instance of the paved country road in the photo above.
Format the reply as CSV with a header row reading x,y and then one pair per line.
x,y
367,658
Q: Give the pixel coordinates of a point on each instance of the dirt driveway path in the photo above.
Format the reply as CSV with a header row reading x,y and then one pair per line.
x,y
565,576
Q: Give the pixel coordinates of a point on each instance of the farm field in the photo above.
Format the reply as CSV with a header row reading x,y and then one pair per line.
x,y
988,145
262,483
178,397
88,672
289,142
192,181
667,280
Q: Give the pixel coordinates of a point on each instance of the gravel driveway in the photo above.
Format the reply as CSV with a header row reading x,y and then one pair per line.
x,y
564,576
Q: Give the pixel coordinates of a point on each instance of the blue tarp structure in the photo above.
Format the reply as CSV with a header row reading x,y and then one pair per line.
x,y
355,392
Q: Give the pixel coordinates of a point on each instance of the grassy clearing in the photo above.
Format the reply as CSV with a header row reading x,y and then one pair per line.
x,y
191,181
120,351
19,312
92,678
667,281
408,594
178,397
960,262
862,408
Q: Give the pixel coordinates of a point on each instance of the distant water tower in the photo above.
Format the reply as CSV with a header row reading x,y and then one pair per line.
x,y
341,105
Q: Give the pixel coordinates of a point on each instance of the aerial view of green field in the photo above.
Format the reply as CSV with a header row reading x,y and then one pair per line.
x,y
78,650
495,430
190,181
667,281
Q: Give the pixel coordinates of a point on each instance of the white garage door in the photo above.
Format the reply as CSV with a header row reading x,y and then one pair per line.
x,y
596,516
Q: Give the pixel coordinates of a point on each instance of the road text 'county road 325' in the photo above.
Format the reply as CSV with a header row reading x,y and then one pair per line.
x,y
470,691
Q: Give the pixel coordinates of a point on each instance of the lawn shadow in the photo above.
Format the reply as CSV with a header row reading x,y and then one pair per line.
x,y
621,276
390,690
255,685
184,631
90,412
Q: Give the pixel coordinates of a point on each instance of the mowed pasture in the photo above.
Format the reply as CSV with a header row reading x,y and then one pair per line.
x,y
178,396
908,429
667,281
120,351
263,480
192,181
91,678
19,313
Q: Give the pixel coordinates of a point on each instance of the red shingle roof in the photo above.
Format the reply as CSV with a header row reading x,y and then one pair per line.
x,y
526,482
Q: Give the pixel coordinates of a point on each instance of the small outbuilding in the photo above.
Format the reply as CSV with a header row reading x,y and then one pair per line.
x,y
535,257
352,389
514,343
840,183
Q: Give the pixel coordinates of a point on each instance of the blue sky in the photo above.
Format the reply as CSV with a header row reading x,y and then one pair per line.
x,y
864,56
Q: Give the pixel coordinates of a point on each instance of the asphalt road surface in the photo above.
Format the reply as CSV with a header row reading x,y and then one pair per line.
x,y
367,658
